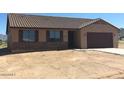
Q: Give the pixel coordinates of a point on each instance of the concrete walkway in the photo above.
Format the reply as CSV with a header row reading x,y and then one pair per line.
x,y
117,51
111,50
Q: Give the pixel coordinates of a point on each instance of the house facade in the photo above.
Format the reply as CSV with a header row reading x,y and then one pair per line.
x,y
30,33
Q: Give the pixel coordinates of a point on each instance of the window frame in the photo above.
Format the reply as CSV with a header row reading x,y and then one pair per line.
x,y
55,37
35,35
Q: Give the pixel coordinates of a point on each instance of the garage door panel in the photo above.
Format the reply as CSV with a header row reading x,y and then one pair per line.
x,y
99,40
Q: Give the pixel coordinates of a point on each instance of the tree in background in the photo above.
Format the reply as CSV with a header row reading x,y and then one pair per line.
x,y
0,42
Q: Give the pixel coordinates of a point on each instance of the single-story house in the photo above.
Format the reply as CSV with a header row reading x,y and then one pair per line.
x,y
28,32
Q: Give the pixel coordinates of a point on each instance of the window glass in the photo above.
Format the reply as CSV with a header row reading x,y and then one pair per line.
x,y
54,35
57,35
25,36
28,35
31,36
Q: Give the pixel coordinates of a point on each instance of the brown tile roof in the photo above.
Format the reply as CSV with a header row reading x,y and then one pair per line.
x,y
22,20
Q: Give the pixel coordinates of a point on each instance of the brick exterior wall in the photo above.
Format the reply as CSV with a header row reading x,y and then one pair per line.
x,y
15,45
20,46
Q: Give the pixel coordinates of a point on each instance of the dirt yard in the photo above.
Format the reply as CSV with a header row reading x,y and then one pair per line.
x,y
70,64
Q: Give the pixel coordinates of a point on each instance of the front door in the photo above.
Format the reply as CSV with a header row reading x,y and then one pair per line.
x,y
71,39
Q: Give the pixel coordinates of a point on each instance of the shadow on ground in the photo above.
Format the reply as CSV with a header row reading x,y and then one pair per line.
x,y
4,51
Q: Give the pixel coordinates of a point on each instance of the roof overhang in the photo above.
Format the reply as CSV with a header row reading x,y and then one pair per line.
x,y
96,20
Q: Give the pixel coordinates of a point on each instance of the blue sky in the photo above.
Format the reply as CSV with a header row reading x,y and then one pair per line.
x,y
116,19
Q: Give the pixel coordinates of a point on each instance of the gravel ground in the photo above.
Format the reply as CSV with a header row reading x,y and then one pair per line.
x,y
66,64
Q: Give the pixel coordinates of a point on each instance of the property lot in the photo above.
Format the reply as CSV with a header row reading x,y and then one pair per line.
x,y
62,64
71,64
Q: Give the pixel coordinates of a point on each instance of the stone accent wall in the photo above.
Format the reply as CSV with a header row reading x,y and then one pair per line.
x,y
39,46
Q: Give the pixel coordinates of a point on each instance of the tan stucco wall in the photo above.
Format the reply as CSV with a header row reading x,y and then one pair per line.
x,y
65,35
14,34
98,28
42,35
8,39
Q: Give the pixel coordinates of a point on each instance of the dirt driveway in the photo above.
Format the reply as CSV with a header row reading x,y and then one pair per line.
x,y
69,64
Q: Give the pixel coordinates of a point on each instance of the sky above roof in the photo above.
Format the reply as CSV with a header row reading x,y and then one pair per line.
x,y
114,18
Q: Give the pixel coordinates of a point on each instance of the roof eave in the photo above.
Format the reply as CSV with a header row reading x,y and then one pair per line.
x,y
98,19
43,28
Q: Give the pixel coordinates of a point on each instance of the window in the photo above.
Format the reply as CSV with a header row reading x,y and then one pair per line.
x,y
54,35
29,35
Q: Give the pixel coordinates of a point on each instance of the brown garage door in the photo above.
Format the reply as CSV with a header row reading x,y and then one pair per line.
x,y
99,40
